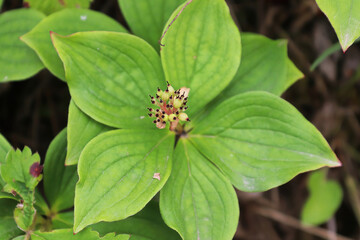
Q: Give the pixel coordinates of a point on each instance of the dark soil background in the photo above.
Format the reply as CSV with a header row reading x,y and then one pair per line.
x,y
32,112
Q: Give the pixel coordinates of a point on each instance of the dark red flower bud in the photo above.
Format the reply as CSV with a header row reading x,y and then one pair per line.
x,y
36,169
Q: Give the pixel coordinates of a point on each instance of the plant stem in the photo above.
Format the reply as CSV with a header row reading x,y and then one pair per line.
x,y
27,236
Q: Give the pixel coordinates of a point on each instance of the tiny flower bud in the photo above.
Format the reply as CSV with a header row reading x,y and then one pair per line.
x,y
165,96
161,125
36,169
184,91
166,117
20,205
171,90
172,117
177,103
159,92
183,117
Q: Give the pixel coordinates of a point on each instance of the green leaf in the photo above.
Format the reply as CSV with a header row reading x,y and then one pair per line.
x,y
202,51
116,171
198,201
21,171
145,225
40,204
16,169
25,216
63,220
81,129
4,148
17,60
8,227
344,16
51,6
265,66
4,195
59,180
147,18
110,76
65,22
325,54
293,73
325,198
19,238
261,141
87,234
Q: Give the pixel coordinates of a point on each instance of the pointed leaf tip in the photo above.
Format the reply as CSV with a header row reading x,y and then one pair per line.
x,y
261,141
344,17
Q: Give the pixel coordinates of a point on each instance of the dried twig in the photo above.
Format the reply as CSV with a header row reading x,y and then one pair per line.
x,y
292,222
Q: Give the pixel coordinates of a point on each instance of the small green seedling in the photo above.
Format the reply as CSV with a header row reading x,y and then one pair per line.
x,y
325,198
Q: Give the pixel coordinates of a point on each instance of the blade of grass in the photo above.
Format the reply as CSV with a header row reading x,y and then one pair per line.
x,y
328,52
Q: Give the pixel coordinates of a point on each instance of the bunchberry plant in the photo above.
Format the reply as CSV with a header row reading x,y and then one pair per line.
x,y
211,123
254,141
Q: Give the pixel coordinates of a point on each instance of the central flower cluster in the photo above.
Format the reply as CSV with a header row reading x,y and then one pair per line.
x,y
172,105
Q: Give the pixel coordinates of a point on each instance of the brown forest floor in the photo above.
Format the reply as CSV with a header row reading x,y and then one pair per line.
x,y
32,112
